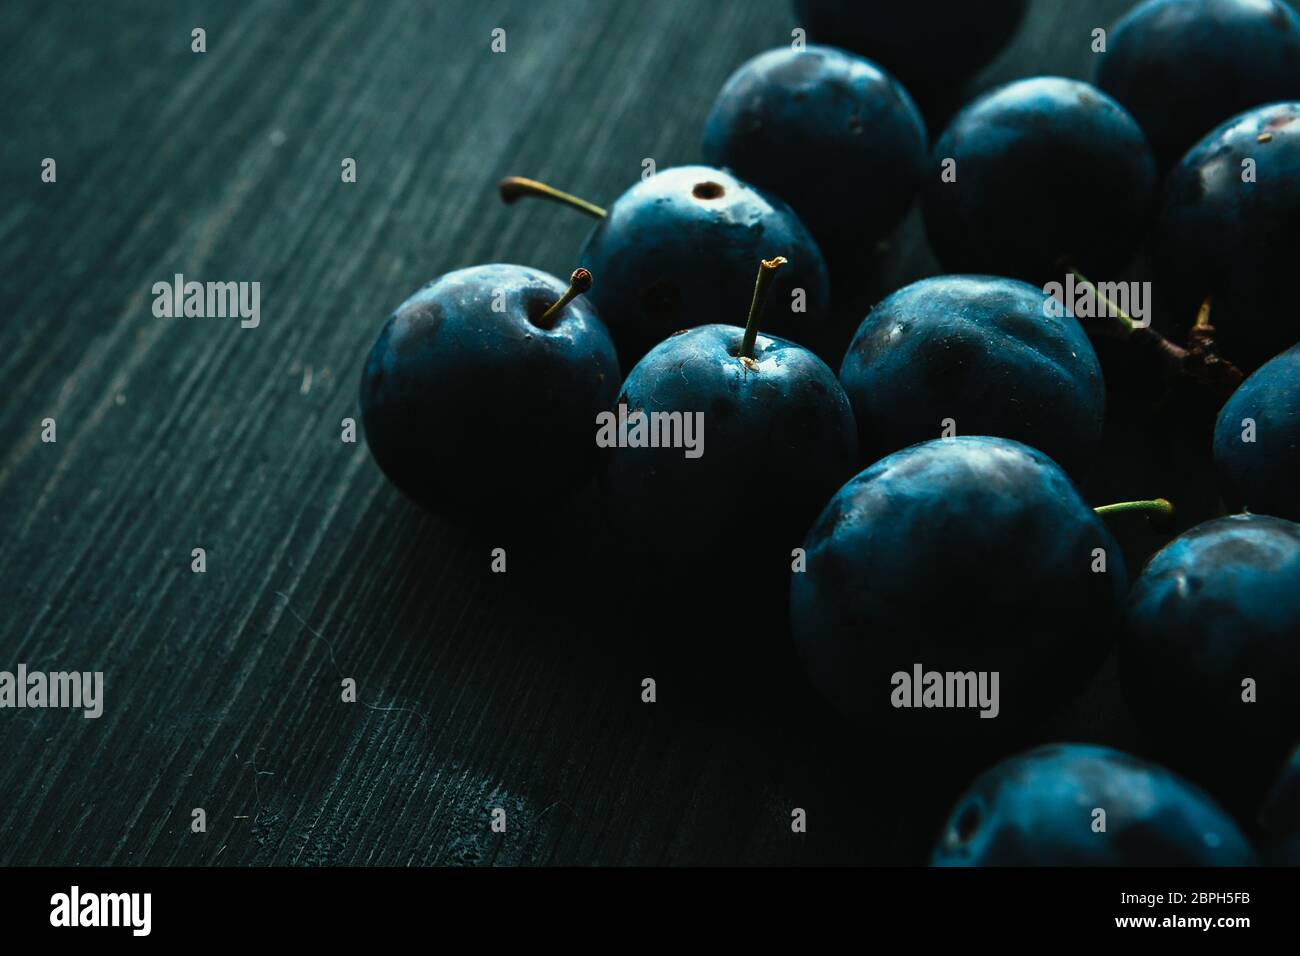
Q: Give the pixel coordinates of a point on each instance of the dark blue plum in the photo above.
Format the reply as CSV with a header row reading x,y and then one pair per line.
x,y
931,45
677,250
960,554
1219,604
984,352
1237,241
1281,814
1045,168
779,439
829,132
1037,809
1263,475
461,403
1182,67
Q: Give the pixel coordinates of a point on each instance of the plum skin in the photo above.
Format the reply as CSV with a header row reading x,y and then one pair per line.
x,y
829,132
463,404
1263,475
929,44
966,553
1218,604
1235,241
1280,815
982,351
779,438
1182,68
1036,809
679,250
1046,168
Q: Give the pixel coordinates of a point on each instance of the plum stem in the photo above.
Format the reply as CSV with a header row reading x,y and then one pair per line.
x,y
1203,315
1200,362
1158,506
1112,310
579,283
516,187
766,271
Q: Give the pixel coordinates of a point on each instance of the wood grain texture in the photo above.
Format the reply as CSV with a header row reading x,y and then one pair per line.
x,y
477,690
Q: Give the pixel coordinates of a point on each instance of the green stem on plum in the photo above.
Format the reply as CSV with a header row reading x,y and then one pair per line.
x,y
579,283
766,271
1200,361
516,187
1159,506
1112,310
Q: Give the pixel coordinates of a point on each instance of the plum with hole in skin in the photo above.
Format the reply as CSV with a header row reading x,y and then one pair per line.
x,y
677,250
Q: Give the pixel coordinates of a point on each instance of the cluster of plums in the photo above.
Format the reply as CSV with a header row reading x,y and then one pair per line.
x,y
964,545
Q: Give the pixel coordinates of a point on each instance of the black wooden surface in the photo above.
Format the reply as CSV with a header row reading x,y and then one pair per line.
x,y
477,690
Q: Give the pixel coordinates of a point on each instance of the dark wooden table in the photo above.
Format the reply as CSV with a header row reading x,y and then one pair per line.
x,y
476,691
